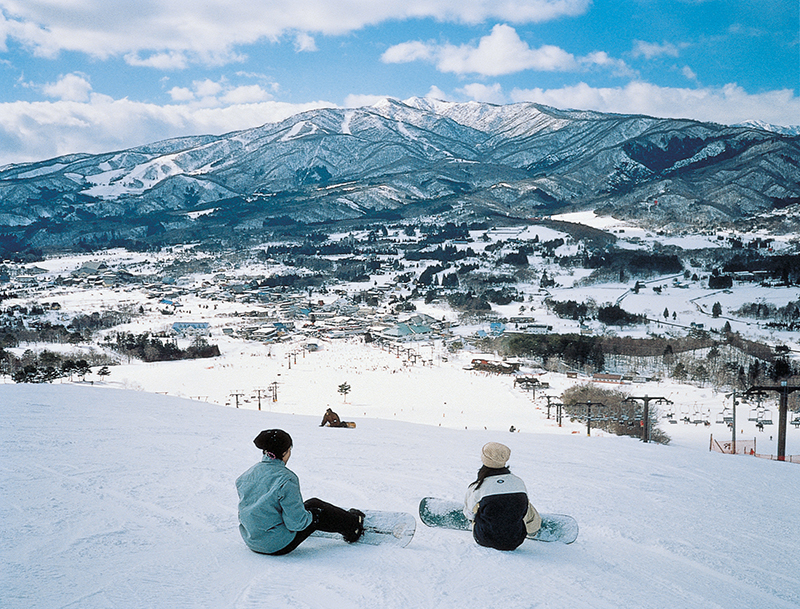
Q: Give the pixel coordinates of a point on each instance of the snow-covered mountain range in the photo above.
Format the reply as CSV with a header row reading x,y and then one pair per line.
x,y
783,129
419,157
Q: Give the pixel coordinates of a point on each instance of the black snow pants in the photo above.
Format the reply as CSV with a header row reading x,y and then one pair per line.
x,y
327,517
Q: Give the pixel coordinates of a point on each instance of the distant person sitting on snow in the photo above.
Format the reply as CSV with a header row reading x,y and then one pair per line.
x,y
273,518
332,419
497,503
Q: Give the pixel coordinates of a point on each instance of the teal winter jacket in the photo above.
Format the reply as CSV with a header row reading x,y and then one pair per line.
x,y
271,507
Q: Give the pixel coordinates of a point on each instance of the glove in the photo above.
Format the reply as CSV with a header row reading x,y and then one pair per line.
x,y
315,515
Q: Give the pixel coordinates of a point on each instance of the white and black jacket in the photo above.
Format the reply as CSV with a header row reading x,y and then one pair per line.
x,y
497,508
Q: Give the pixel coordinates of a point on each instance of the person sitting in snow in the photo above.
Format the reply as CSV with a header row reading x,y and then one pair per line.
x,y
497,503
332,419
273,518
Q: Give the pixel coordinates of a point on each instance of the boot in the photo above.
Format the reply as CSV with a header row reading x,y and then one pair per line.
x,y
354,534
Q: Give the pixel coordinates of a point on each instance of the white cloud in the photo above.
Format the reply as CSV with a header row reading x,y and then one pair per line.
x,y
478,11
161,61
207,87
303,42
70,87
181,94
163,34
727,105
492,94
32,131
501,52
648,50
603,60
406,52
248,94
210,93
689,73
436,93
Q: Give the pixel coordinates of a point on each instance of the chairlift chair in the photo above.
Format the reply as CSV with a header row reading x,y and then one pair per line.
x,y
695,417
700,418
726,416
766,418
753,416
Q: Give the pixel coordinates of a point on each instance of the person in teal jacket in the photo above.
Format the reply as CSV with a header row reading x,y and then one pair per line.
x,y
273,518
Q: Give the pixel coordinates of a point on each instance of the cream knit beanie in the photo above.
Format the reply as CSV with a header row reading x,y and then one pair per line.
x,y
495,455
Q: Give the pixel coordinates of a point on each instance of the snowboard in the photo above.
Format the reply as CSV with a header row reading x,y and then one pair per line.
x,y
382,528
449,514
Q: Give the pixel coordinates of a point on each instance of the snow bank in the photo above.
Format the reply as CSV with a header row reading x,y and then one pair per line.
x,y
115,498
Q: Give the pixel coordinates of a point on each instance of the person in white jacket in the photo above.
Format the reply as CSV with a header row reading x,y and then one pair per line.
x,y
497,503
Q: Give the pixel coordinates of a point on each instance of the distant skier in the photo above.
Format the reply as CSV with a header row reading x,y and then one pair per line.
x,y
273,518
332,419
497,503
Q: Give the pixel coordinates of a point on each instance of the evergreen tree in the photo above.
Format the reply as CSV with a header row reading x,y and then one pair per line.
x,y
82,368
668,356
700,374
780,369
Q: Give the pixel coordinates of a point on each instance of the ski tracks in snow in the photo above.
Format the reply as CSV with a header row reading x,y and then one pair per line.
x,y
324,574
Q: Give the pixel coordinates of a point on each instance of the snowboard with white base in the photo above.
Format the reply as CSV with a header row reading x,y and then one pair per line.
x,y
449,514
382,528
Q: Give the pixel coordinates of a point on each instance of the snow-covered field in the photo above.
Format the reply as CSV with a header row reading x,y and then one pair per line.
x,y
121,498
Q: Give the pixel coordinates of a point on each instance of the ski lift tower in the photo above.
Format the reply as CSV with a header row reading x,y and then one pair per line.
x,y
734,395
646,399
588,416
784,389
558,406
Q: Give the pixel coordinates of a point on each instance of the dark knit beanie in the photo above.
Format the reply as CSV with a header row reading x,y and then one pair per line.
x,y
274,442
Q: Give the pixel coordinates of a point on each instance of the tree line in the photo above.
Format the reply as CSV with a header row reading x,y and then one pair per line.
x,y
734,362
150,348
48,366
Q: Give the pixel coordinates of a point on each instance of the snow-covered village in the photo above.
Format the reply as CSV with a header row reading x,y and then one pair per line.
x,y
134,384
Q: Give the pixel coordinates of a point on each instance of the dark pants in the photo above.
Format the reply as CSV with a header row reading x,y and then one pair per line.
x,y
327,517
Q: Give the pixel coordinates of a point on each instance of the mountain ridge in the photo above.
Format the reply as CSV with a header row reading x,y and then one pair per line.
x,y
401,157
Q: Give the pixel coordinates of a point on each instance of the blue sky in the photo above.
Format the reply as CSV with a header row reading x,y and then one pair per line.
x,y
100,75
